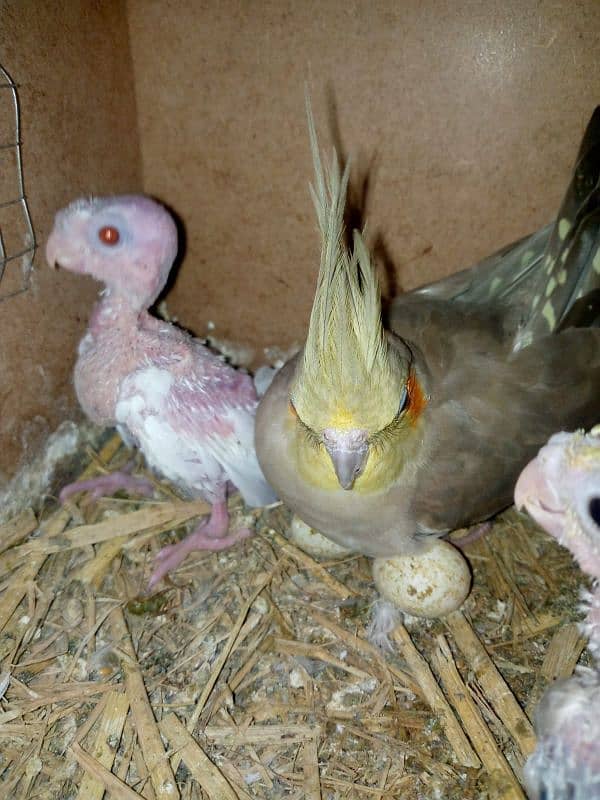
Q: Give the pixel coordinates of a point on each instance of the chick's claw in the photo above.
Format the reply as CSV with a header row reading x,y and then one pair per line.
x,y
209,535
472,535
105,485
170,557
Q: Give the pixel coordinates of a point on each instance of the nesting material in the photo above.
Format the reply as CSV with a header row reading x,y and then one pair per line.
x,y
249,674
428,584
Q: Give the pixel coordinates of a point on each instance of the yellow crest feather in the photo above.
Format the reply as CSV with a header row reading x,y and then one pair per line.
x,y
347,377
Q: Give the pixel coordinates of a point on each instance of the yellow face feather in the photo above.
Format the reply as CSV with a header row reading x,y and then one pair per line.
x,y
389,449
349,377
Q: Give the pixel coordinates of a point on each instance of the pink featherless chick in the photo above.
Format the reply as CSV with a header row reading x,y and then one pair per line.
x,y
560,488
190,413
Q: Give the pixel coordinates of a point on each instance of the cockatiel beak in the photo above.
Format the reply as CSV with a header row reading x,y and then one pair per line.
x,y
349,451
58,253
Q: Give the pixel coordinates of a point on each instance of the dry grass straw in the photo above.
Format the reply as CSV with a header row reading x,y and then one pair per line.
x,y
249,675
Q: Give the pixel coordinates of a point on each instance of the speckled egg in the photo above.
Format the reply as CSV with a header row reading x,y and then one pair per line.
x,y
430,584
313,542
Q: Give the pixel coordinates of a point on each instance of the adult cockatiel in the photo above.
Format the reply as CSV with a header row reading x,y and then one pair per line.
x,y
560,488
383,439
191,414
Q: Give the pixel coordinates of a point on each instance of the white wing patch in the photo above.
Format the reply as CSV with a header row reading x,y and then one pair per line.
x,y
237,455
144,409
149,407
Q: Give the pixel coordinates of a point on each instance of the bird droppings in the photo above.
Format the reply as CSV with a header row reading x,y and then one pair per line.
x,y
254,677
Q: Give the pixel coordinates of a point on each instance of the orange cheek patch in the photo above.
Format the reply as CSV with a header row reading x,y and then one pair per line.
x,y
416,399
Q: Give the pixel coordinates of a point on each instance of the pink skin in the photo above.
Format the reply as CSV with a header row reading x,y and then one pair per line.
x,y
209,535
566,761
106,485
191,414
147,240
560,489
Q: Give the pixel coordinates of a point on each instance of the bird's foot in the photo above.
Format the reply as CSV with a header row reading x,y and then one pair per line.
x,y
209,535
473,534
105,485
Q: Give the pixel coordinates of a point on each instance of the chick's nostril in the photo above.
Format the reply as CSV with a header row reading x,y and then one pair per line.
x,y
594,510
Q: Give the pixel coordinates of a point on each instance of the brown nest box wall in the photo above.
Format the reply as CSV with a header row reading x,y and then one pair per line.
x,y
464,116
467,116
72,64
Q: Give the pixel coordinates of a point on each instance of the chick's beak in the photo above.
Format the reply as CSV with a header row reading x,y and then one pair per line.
x,y
522,491
52,249
534,489
349,451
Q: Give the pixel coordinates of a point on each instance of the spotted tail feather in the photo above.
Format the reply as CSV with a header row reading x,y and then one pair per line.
x,y
567,290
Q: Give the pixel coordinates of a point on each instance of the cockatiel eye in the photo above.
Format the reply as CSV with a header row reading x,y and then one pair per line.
x,y
402,407
109,231
316,439
109,235
378,439
403,400
311,435
292,408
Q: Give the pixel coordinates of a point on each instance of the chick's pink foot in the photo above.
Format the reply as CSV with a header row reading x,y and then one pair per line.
x,y
475,533
209,535
105,485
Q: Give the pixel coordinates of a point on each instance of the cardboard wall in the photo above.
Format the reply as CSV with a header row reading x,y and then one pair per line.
x,y
464,116
72,64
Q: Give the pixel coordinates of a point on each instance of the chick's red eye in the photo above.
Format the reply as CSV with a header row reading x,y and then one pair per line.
x,y
109,235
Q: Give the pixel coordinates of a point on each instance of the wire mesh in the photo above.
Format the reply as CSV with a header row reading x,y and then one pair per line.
x,y
17,237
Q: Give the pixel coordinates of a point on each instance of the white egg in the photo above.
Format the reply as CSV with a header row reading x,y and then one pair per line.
x,y
313,542
430,584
